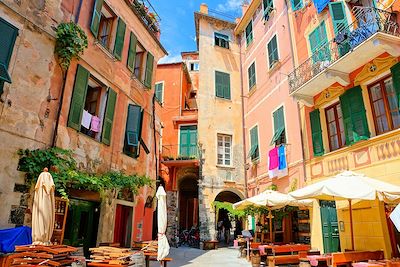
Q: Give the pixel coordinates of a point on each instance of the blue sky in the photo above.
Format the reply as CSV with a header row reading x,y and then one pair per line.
x,y
177,22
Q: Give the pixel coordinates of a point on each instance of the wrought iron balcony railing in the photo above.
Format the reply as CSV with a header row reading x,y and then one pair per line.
x,y
179,152
367,22
147,14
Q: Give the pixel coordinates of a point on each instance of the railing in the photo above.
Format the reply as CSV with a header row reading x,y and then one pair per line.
x,y
147,14
368,21
177,152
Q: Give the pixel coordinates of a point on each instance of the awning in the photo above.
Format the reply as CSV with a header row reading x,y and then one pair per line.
x,y
4,75
277,135
222,36
252,150
320,4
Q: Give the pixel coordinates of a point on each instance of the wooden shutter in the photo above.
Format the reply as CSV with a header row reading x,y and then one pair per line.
x,y
354,116
254,143
149,70
78,98
193,141
159,92
226,85
252,75
219,84
119,39
109,117
396,80
94,26
279,125
316,133
338,16
132,52
133,130
272,51
297,4
8,35
249,33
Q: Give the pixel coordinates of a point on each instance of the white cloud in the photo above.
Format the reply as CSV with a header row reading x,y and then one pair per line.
x,y
171,58
230,5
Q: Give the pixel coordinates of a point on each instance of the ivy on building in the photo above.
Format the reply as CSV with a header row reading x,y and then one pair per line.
x,y
66,174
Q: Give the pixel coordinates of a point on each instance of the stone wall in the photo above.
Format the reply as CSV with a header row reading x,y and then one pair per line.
x,y
172,215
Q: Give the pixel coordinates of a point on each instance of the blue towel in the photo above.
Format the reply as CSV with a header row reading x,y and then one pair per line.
x,y
9,238
282,158
320,4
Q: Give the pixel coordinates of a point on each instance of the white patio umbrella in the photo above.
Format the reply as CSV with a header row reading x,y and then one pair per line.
x,y
163,246
273,200
43,209
349,186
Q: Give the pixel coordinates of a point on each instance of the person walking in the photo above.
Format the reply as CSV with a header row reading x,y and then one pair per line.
x,y
227,228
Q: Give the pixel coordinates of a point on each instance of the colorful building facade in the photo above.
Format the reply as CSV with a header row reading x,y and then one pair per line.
x,y
347,82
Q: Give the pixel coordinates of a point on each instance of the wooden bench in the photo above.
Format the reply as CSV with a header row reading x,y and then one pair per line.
x,y
286,254
283,260
162,262
346,258
210,244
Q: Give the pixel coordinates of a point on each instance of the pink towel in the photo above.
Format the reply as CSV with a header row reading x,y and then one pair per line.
x,y
95,125
273,159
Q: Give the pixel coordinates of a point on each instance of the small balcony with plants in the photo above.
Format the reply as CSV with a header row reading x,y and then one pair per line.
x,y
372,33
180,155
147,14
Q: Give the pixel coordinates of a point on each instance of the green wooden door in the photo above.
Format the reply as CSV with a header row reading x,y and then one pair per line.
x,y
82,224
188,141
330,228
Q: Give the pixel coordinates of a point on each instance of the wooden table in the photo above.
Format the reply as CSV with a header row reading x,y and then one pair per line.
x,y
149,255
320,260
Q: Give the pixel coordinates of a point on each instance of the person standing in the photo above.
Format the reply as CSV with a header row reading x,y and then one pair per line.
x,y
227,227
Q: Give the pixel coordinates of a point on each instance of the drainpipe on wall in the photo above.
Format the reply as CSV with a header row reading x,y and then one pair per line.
x,y
297,102
154,133
61,97
243,124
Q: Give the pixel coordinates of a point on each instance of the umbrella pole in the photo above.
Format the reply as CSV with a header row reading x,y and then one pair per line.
x,y
270,225
351,225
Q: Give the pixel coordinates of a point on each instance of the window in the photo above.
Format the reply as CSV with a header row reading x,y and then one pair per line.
x,y
251,71
221,40
102,27
268,6
334,123
159,91
273,56
224,154
385,106
139,59
254,152
297,4
92,107
188,141
316,133
8,35
194,66
318,40
340,26
279,127
133,131
222,85
249,33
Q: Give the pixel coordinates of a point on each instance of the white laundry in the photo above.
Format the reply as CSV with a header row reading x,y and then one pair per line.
x,y
86,119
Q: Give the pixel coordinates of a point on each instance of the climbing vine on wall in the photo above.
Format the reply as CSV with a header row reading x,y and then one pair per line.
x,y
228,206
66,175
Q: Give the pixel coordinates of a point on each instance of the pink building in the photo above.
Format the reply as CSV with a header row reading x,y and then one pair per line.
x,y
270,115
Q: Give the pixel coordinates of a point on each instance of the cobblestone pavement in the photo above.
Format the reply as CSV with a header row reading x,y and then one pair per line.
x,y
190,257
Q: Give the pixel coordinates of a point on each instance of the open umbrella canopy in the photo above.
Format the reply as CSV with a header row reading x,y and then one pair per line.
x,y
163,246
43,209
272,200
349,185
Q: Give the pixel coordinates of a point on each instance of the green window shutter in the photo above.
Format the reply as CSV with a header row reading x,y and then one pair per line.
x,y
78,98
272,51
133,130
188,141
249,33
8,35
279,124
396,80
317,39
251,71
297,4
227,86
149,70
159,92
119,39
222,85
354,116
109,117
338,16
316,133
94,26
254,150
132,52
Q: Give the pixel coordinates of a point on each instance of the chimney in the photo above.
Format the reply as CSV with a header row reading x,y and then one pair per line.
x,y
204,8
245,6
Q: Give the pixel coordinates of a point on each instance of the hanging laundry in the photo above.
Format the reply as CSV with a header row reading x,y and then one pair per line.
x,y
273,165
86,119
282,169
95,125
320,4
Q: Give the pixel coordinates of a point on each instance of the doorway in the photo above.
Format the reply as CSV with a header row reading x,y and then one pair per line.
x,y
188,203
330,227
82,224
123,225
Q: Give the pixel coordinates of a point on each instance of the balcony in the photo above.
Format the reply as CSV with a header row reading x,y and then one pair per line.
x,y
372,33
176,155
148,15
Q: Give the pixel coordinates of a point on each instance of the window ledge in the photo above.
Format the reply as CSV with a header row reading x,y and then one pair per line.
x,y
252,90
271,14
226,48
223,99
249,46
105,50
275,67
229,182
90,138
133,77
230,167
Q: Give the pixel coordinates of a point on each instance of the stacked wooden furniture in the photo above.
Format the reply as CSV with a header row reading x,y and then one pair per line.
x,y
110,256
34,255
61,212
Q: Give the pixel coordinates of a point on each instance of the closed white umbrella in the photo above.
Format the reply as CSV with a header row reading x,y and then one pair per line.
x,y
43,209
348,186
163,246
272,200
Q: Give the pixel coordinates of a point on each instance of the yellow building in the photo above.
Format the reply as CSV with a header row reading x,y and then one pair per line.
x,y
348,84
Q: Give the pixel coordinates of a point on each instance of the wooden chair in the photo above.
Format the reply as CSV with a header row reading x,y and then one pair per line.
x,y
346,258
